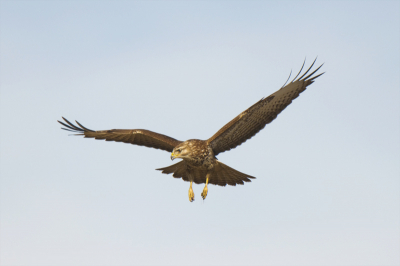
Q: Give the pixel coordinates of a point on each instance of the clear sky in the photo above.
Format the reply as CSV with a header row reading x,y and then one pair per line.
x,y
327,187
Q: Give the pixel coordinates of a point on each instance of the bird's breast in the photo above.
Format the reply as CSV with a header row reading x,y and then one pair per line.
x,y
202,154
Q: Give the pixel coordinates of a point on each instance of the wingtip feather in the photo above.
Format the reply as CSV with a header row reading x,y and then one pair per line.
x,y
308,69
313,72
300,70
287,79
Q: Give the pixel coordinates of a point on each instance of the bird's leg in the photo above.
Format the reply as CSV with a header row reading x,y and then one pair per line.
x,y
205,190
191,193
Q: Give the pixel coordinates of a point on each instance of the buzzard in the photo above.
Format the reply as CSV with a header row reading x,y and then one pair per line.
x,y
199,164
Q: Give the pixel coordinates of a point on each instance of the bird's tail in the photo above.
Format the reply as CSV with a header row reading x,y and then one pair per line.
x,y
221,174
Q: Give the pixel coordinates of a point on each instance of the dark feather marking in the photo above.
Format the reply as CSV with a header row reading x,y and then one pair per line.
x,y
269,98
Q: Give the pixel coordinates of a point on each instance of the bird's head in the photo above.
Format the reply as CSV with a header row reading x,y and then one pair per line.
x,y
181,151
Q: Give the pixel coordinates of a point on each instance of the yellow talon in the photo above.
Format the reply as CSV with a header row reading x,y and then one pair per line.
x,y
191,193
205,190
204,193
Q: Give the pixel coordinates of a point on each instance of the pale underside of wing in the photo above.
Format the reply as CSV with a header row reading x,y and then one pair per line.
x,y
139,137
252,120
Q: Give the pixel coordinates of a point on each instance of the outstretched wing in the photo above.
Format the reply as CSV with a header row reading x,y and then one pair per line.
x,y
139,137
251,121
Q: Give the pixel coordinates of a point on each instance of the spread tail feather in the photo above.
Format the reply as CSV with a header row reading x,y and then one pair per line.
x,y
221,174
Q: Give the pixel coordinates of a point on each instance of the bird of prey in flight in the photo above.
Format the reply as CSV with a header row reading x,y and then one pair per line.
x,y
199,164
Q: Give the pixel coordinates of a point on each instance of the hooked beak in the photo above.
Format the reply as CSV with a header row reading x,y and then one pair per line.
x,y
172,156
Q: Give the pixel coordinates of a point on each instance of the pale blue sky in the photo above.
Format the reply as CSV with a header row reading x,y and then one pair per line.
x,y
327,187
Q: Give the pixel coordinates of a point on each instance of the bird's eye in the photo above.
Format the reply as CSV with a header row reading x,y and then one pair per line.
x,y
178,150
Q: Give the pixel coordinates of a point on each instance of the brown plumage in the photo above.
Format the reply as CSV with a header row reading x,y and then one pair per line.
x,y
139,137
199,163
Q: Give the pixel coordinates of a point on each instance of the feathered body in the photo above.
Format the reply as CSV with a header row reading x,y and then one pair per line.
x,y
198,160
199,164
